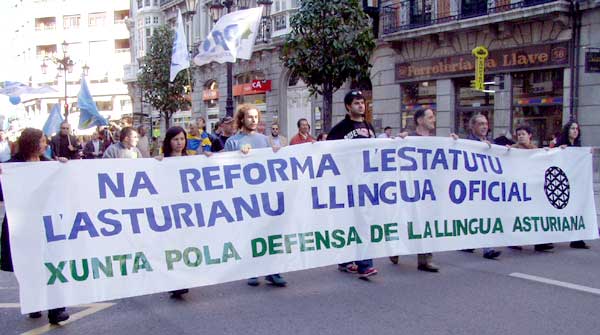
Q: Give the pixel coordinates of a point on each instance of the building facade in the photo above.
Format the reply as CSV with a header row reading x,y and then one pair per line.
x,y
96,37
423,60
536,64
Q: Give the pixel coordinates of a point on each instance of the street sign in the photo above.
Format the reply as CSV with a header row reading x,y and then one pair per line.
x,y
592,61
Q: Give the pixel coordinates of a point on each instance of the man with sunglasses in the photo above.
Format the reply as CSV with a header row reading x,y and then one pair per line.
x,y
276,140
354,126
64,144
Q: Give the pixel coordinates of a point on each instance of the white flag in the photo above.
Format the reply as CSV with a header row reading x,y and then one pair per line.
x,y
232,37
180,58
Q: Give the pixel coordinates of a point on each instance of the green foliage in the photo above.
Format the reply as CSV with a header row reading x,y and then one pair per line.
x,y
167,97
331,42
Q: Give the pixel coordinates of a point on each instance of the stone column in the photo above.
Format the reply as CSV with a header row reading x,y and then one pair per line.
x,y
446,105
502,106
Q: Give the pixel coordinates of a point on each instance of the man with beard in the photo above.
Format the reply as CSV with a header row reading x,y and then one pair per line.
x,y
247,119
424,126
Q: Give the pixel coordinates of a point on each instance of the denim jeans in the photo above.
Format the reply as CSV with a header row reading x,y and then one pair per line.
x,y
363,265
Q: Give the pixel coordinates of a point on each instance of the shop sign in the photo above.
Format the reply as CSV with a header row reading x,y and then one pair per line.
x,y
480,53
535,56
254,87
592,61
209,94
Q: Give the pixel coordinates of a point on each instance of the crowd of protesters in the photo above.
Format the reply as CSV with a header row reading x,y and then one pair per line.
x,y
245,132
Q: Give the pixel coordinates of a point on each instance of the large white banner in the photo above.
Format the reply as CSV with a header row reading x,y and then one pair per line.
x,y
95,230
232,37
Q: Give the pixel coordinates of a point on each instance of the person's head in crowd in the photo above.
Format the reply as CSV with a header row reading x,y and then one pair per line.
x,y
217,127
247,118
425,118
388,131
141,130
175,142
194,129
201,123
479,125
31,144
275,129
571,134
65,128
354,101
322,137
227,126
261,127
303,126
524,134
129,137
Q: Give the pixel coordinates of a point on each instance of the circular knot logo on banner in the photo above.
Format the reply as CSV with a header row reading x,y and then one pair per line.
x,y
556,186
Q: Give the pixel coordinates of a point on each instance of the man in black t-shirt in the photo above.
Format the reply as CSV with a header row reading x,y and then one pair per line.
x,y
354,126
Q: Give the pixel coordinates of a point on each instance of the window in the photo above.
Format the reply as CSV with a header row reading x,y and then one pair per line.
x,y
71,21
96,19
104,105
140,4
156,3
280,22
147,19
538,103
155,20
470,102
120,16
148,32
147,3
416,96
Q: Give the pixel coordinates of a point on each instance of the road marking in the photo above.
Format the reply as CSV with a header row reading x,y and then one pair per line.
x,y
90,309
556,283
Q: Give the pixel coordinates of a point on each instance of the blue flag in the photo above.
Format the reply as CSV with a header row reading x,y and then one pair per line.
x,y
88,112
55,118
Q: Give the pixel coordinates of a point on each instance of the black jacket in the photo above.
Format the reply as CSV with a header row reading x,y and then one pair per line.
x,y
351,129
5,255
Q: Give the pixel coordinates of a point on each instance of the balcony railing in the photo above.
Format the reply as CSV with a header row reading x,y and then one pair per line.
x,y
413,14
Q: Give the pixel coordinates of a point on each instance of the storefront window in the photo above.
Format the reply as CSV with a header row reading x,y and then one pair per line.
x,y
538,102
470,102
259,99
416,96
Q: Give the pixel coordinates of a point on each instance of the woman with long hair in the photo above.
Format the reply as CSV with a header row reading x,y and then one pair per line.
x,y
174,145
175,138
570,136
31,148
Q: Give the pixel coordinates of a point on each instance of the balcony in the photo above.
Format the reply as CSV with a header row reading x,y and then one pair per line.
x,y
408,15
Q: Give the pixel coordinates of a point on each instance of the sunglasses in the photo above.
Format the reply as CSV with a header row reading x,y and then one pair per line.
x,y
356,93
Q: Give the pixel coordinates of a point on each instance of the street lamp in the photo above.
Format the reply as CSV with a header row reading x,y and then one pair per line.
x,y
65,64
216,8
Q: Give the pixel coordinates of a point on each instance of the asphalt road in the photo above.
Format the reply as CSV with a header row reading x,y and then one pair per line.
x,y
471,295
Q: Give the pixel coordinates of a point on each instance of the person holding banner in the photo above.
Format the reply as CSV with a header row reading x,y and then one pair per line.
x,y
524,135
31,148
479,132
354,126
247,118
571,137
174,145
424,126
64,144
126,147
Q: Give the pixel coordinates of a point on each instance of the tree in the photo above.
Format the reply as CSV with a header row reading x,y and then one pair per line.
x,y
168,97
330,42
